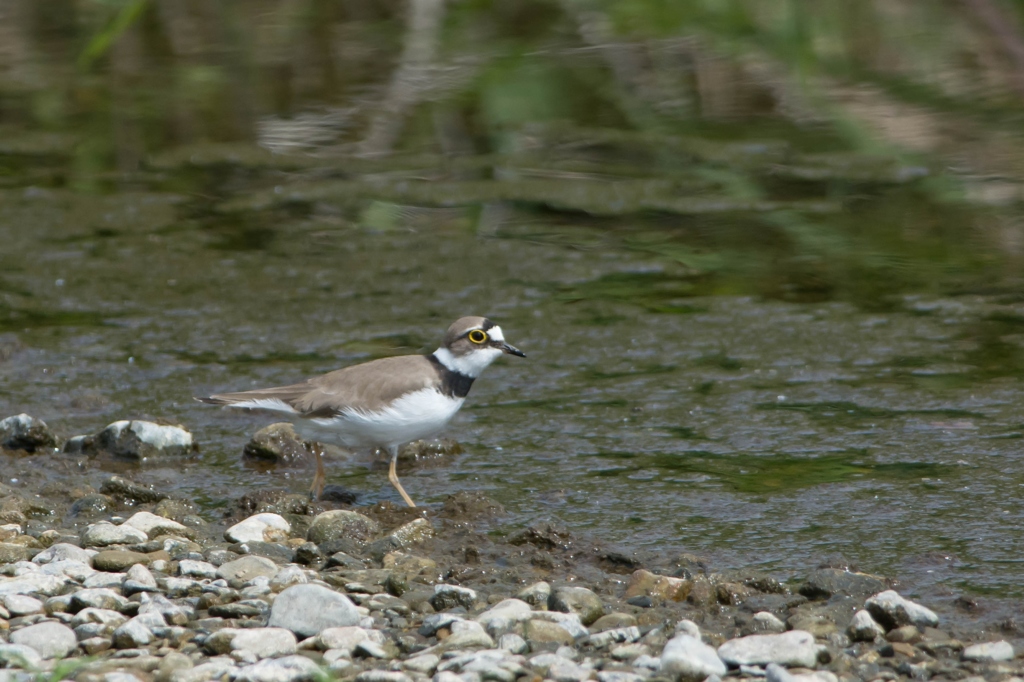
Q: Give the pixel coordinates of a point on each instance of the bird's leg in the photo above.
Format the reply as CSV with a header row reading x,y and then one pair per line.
x,y
393,476
317,489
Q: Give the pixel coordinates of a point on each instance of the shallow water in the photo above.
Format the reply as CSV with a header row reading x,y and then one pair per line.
x,y
749,337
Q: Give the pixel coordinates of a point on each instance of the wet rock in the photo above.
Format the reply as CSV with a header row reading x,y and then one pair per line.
x,y
792,649
863,628
826,582
141,440
264,527
536,594
19,656
578,600
51,640
644,583
890,610
129,491
341,524
260,642
688,659
308,609
270,501
92,505
246,568
276,552
470,506
154,526
277,443
63,551
544,536
118,560
105,533
450,596
989,652
22,432
285,669
403,537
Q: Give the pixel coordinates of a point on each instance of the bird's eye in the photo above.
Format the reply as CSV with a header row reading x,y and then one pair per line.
x,y
477,336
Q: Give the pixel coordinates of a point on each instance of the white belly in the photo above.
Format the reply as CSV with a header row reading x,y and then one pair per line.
x,y
416,415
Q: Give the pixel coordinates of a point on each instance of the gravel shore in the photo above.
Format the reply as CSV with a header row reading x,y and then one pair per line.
x,y
124,583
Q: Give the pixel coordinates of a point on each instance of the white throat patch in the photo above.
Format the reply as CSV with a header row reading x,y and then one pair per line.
x,y
470,364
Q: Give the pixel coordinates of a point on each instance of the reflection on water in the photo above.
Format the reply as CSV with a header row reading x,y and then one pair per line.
x,y
764,256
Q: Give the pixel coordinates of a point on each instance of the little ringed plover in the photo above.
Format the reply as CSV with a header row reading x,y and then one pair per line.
x,y
387,402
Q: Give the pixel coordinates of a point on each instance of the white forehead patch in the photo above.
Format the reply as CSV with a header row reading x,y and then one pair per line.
x,y
495,333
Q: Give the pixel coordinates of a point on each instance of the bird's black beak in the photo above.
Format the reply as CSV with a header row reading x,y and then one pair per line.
x,y
511,350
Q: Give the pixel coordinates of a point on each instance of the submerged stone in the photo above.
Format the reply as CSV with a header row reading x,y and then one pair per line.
x,y
24,432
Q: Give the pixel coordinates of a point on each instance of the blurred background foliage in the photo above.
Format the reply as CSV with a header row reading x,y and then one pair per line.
x,y
799,149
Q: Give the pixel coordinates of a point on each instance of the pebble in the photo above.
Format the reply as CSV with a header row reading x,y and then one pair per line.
x,y
689,659
63,551
450,596
49,639
22,605
246,568
341,524
285,669
141,440
989,651
264,527
105,533
308,609
260,642
863,627
118,560
536,594
767,622
154,526
796,648
23,432
579,600
891,610
197,569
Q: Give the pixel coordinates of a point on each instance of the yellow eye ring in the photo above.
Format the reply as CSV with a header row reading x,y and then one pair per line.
x,y
477,336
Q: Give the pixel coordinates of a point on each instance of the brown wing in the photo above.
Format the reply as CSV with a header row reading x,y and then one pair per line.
x,y
369,386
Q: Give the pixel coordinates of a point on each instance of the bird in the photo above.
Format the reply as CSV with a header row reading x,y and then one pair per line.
x,y
387,402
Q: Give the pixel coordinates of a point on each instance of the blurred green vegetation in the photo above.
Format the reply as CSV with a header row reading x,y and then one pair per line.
x,y
787,148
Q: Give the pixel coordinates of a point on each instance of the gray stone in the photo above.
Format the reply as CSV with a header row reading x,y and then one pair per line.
x,y
51,640
123,489
22,432
766,622
308,609
536,594
796,648
142,440
544,632
197,569
384,676
826,582
214,669
863,627
890,610
260,642
154,526
616,636
246,568
11,553
264,527
75,570
105,533
570,622
93,616
132,634
688,659
500,617
343,638
370,649
92,505
450,596
103,580
277,443
424,663
618,676
63,551
989,652
288,576
774,672
118,560
19,656
97,598
168,610
141,577
341,524
512,643
22,605
286,669
33,583
578,600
